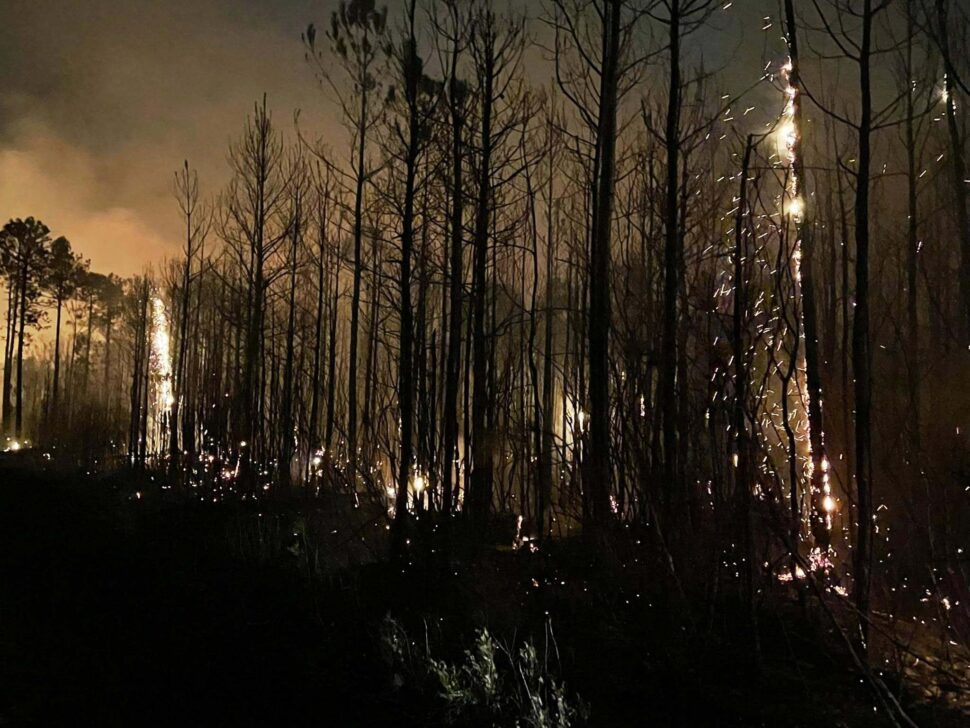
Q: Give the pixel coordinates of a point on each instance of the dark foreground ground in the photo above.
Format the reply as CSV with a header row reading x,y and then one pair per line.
x,y
115,614
105,623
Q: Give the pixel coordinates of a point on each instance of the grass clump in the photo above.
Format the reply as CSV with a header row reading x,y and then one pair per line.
x,y
491,684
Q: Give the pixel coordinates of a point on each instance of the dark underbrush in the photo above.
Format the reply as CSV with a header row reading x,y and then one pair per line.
x,y
121,605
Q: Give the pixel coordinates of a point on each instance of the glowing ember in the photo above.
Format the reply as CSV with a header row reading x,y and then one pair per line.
x,y
828,503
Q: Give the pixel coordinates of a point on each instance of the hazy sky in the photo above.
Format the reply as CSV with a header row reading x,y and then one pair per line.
x,y
101,100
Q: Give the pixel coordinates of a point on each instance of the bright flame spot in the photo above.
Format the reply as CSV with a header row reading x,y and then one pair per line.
x,y
786,137
786,576
161,354
581,419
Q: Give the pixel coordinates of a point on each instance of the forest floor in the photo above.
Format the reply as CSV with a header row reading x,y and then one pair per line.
x,y
120,608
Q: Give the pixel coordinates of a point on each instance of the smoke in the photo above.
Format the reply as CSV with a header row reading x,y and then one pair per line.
x,y
63,185
102,100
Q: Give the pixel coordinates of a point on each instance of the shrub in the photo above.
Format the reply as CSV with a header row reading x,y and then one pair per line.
x,y
492,684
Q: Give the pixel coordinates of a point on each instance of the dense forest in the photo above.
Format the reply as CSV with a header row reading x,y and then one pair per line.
x,y
559,285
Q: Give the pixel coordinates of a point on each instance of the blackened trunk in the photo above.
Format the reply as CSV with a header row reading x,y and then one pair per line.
x,y
318,332
912,244
456,268
861,353
358,273
332,359
545,450
405,362
805,236
13,307
55,391
19,417
672,264
286,417
958,169
480,497
599,285
742,481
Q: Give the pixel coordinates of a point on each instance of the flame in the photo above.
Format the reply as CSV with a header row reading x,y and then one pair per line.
x,y
160,362
161,354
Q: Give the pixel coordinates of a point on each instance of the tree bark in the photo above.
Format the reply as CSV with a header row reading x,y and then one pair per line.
x,y
673,255
601,468
480,497
805,238
861,353
456,268
411,71
958,169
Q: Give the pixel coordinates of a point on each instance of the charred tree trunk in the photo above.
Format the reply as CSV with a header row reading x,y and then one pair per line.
x,y
480,496
315,383
187,197
411,72
19,416
673,255
13,307
456,268
912,244
805,239
544,490
742,481
599,285
861,353
332,358
958,169
56,386
370,366
358,275
286,416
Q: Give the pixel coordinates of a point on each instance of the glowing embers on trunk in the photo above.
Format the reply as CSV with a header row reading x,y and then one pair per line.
x,y
788,135
160,364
